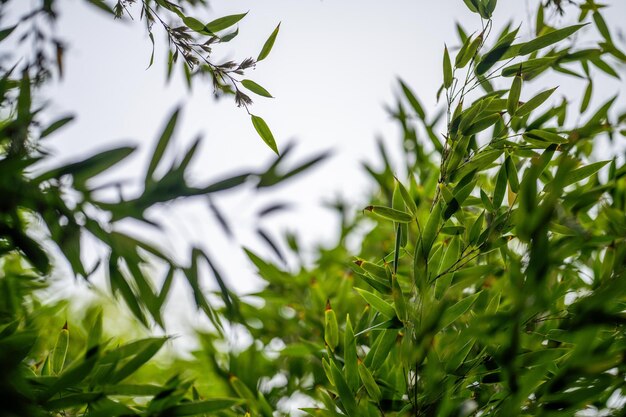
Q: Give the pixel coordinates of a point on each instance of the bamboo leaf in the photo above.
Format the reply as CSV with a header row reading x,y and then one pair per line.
x,y
223,22
549,39
269,44
534,102
162,143
201,407
60,350
345,395
264,131
413,101
500,187
447,69
584,172
256,88
56,125
388,213
514,94
377,303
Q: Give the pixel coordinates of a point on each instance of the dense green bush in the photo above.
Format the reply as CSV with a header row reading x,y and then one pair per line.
x,y
492,282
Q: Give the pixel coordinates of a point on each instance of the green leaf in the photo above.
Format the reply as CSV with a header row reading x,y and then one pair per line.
x,y
584,172
118,283
497,53
350,357
377,303
534,102
132,390
500,187
345,395
161,145
138,360
60,350
406,197
447,69
514,94
482,124
601,25
229,36
372,388
429,234
92,166
511,172
4,33
603,66
477,227
381,349
388,213
269,43
529,67
471,5
548,39
194,24
587,97
224,22
452,313
201,407
544,135
73,400
256,88
74,375
413,101
264,131
54,126
468,51
331,329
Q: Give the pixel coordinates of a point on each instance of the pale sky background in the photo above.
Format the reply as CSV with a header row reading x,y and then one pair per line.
x,y
333,68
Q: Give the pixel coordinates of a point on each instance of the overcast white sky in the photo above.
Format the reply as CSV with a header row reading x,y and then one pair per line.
x,y
332,69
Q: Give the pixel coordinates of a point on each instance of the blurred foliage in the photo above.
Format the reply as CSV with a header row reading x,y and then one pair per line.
x,y
491,281
51,366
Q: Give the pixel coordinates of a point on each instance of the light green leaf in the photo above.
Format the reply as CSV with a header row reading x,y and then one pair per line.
x,y
256,88
548,39
377,303
269,43
388,213
264,131
194,24
514,94
534,102
413,101
224,22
